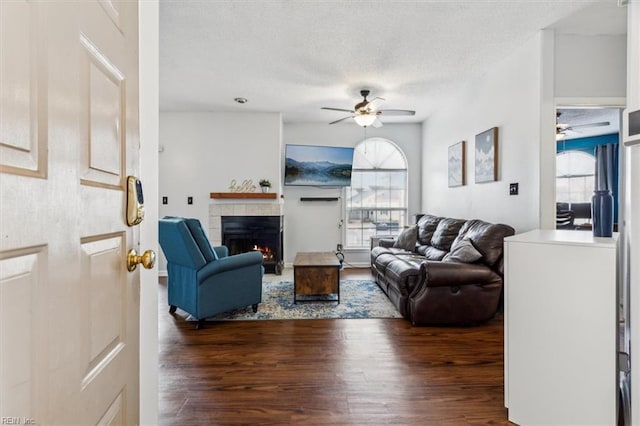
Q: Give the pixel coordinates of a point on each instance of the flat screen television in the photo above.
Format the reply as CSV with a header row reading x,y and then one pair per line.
x,y
310,165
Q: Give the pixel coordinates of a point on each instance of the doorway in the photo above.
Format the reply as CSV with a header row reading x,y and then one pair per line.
x,y
580,133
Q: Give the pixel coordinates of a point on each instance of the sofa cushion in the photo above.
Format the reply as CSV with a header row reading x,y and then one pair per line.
x,y
487,238
431,253
462,251
407,239
446,232
403,273
426,226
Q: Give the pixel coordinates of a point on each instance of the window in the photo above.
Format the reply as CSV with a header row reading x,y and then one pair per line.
x,y
575,177
376,201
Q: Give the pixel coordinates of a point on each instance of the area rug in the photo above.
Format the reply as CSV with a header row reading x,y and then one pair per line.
x,y
358,299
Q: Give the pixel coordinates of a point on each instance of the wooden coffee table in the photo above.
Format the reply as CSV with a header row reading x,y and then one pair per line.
x,y
316,274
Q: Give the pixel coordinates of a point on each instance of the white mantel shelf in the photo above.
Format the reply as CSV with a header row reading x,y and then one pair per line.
x,y
245,195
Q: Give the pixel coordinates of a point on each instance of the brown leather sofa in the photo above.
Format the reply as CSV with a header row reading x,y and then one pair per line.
x,y
443,270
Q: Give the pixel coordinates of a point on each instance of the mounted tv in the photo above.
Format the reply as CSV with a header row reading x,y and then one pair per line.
x,y
309,165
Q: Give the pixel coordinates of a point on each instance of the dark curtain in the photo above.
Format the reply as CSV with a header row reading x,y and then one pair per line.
x,y
606,160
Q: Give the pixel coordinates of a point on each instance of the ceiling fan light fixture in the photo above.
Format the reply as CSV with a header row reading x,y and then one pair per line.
x,y
364,120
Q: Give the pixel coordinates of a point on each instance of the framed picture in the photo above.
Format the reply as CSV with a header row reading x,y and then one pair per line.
x,y
457,164
486,161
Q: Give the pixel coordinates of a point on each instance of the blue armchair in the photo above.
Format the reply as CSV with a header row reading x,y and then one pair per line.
x,y
204,280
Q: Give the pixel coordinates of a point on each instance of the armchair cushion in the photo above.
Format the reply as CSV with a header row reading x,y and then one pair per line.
x,y
201,239
407,238
178,245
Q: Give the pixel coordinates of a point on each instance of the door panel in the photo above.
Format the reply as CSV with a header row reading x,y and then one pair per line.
x,y
68,139
22,101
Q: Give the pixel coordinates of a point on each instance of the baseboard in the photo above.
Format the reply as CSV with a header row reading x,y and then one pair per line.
x,y
162,273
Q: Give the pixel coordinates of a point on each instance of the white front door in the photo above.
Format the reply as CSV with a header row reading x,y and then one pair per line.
x,y
69,314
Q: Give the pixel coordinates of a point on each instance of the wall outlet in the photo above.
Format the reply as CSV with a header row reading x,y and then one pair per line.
x,y
165,200
339,247
513,189
189,200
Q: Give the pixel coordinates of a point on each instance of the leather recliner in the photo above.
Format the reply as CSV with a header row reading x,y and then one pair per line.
x,y
430,288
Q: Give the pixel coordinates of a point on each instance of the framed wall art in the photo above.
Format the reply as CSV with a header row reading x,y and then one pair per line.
x,y
457,163
486,156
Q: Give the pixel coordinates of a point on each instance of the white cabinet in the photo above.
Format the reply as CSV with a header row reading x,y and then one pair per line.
x,y
560,331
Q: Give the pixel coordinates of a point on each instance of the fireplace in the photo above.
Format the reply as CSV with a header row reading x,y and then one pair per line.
x,y
242,234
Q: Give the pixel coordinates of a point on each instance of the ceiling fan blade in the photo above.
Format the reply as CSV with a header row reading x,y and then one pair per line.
x,y
376,123
396,112
342,119
338,109
374,103
577,126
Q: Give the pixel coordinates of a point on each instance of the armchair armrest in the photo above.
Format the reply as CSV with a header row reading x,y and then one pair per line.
x,y
229,263
445,274
221,251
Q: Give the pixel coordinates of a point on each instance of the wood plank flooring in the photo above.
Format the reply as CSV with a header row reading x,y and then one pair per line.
x,y
329,372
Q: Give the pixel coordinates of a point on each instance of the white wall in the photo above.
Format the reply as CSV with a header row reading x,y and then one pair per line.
x,y
202,152
590,66
507,97
313,226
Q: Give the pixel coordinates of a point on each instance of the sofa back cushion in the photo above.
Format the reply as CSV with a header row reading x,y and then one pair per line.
x,y
426,227
487,238
446,232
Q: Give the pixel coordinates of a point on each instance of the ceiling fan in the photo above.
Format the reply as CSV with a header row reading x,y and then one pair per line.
x,y
562,129
366,112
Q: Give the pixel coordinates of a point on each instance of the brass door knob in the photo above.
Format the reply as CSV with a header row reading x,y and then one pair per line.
x,y
148,259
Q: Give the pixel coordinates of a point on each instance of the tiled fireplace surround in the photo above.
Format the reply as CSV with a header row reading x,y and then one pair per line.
x,y
219,209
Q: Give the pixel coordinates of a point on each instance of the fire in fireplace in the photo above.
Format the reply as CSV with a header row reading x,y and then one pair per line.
x,y
250,233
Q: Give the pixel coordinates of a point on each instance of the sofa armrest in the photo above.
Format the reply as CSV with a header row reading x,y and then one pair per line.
x,y
446,274
229,263
386,242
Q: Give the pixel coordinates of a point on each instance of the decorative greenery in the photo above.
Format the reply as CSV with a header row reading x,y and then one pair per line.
x,y
264,182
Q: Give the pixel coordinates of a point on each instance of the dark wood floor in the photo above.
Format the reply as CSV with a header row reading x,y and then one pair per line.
x,y
329,372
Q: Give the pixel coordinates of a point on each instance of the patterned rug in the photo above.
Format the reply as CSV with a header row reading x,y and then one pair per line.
x,y
358,299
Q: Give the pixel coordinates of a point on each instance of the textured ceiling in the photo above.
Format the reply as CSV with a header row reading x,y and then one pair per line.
x,y
294,57
585,116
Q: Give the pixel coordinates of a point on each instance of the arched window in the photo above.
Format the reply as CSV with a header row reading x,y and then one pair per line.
x,y
376,201
575,176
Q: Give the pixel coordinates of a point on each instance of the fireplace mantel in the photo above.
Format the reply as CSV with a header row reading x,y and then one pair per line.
x,y
245,195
